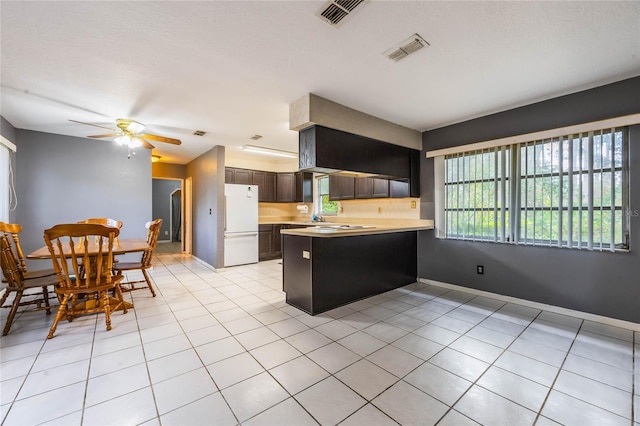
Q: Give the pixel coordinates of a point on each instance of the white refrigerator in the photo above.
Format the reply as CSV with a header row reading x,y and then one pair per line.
x,y
240,224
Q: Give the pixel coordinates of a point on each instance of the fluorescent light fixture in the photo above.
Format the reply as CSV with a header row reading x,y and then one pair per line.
x,y
269,151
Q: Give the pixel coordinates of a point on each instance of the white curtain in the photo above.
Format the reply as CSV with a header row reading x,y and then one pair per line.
x,y
4,183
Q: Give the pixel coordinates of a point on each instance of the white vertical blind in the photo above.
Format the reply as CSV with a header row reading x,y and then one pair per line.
x,y
568,191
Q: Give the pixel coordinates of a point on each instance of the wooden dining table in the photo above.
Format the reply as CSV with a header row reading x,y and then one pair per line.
x,y
120,246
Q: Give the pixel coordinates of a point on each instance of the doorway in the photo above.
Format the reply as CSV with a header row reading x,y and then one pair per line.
x,y
168,204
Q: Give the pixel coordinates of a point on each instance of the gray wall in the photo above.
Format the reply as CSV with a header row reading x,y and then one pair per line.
x,y
63,179
207,172
600,283
161,206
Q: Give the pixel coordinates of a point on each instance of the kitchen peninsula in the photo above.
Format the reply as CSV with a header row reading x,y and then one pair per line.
x,y
325,267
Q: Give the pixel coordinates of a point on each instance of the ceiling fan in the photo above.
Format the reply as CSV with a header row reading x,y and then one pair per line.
x,y
129,133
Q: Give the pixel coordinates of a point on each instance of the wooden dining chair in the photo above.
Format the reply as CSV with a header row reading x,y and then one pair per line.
x,y
91,244
20,287
153,231
106,221
12,230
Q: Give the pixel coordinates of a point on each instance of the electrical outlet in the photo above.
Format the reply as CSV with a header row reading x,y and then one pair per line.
x,y
413,204
480,269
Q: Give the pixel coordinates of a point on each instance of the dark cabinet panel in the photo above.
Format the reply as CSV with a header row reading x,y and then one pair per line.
x,y
292,187
285,188
276,246
238,176
341,270
304,187
364,187
243,177
266,182
265,242
228,175
269,242
372,188
341,188
398,189
380,188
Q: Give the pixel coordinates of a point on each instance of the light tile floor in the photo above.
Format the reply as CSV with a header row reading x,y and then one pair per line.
x,y
222,347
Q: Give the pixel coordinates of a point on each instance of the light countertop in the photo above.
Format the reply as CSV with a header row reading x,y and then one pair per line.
x,y
325,230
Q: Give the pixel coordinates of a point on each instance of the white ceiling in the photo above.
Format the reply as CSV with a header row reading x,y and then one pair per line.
x,y
232,68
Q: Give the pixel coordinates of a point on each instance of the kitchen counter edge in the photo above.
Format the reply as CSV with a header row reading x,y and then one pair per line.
x,y
385,229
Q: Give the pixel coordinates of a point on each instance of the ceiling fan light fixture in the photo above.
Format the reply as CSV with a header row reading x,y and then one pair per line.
x,y
123,140
269,151
135,142
135,127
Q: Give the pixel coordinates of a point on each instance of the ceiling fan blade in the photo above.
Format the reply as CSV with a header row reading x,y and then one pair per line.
x,y
161,138
146,144
94,125
108,135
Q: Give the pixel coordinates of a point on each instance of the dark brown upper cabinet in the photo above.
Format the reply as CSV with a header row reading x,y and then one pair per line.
x,y
285,187
304,187
398,189
372,188
341,187
266,182
326,150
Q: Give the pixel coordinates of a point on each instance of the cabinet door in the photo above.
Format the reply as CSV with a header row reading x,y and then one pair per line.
x,y
398,189
380,188
364,187
285,188
266,182
304,187
341,187
276,242
228,175
265,242
243,177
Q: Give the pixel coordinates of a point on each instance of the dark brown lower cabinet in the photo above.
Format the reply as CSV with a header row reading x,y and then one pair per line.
x,y
320,274
269,242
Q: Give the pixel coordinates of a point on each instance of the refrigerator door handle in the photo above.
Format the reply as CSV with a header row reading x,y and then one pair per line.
x,y
225,212
241,235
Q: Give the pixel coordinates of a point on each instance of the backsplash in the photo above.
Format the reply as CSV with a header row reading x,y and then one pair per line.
x,y
284,210
382,208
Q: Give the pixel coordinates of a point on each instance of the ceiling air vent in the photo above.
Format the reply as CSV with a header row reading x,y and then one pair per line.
x,y
255,137
335,11
199,133
406,48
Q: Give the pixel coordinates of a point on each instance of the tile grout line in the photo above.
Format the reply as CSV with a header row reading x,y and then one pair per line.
x,y
633,379
197,354
474,383
555,379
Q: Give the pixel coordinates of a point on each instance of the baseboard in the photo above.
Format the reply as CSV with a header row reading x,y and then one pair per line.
x,y
204,263
551,308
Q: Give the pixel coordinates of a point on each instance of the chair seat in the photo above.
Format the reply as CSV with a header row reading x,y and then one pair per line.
x,y
128,266
40,282
115,280
39,274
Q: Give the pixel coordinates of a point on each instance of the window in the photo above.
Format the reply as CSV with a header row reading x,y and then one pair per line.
x,y
8,199
569,191
324,205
